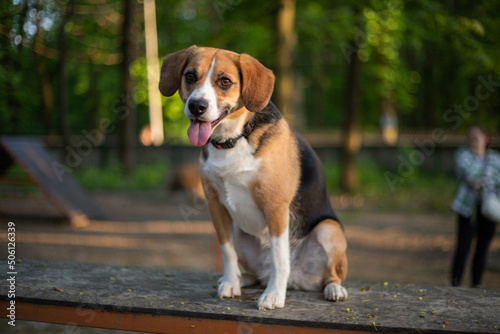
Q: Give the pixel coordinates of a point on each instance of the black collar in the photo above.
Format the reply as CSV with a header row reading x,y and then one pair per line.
x,y
247,130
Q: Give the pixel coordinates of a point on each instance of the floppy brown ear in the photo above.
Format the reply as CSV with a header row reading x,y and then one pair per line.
x,y
257,83
171,70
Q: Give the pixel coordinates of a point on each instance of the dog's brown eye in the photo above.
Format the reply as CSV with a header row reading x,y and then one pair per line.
x,y
190,78
225,82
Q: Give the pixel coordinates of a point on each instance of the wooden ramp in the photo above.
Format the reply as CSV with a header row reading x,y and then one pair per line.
x,y
167,301
66,195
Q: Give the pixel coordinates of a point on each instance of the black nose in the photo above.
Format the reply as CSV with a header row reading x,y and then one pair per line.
x,y
198,107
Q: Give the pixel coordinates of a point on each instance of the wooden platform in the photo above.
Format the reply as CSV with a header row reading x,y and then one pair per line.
x,y
165,301
45,171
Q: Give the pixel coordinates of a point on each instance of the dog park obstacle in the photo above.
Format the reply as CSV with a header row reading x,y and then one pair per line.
x,y
167,301
42,167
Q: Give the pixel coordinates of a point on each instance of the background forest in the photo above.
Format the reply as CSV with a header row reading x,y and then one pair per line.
x,y
67,65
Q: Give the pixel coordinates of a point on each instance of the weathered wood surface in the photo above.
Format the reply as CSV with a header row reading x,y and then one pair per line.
x,y
180,302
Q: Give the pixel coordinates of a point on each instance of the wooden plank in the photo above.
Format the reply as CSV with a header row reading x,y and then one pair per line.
x,y
152,323
40,165
165,301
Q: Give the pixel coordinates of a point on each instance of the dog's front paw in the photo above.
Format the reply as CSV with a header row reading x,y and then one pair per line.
x,y
229,288
271,300
335,292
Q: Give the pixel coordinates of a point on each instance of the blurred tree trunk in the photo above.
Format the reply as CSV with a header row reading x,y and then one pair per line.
x,y
352,137
429,102
286,44
319,96
127,106
154,97
14,120
47,97
61,72
93,95
47,91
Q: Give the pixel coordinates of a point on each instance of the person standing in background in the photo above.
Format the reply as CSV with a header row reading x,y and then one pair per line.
x,y
478,172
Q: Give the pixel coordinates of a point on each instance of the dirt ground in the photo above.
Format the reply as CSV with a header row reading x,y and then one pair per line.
x,y
163,230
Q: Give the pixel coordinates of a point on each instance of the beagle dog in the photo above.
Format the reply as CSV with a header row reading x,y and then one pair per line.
x,y
264,185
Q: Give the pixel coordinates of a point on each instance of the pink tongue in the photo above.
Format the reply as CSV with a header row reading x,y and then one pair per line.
x,y
199,132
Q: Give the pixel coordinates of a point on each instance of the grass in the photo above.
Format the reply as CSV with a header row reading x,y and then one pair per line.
x,y
145,176
420,190
428,191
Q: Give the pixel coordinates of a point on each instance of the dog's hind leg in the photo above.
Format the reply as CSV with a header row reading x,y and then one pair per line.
x,y
331,237
248,249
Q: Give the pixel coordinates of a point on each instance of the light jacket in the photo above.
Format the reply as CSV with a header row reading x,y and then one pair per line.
x,y
472,170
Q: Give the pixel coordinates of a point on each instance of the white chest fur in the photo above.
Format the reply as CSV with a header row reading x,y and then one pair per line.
x,y
232,171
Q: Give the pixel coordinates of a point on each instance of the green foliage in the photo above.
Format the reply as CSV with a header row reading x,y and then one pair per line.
x,y
176,124
423,56
149,176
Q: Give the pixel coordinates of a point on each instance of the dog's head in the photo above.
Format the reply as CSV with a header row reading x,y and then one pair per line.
x,y
213,83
